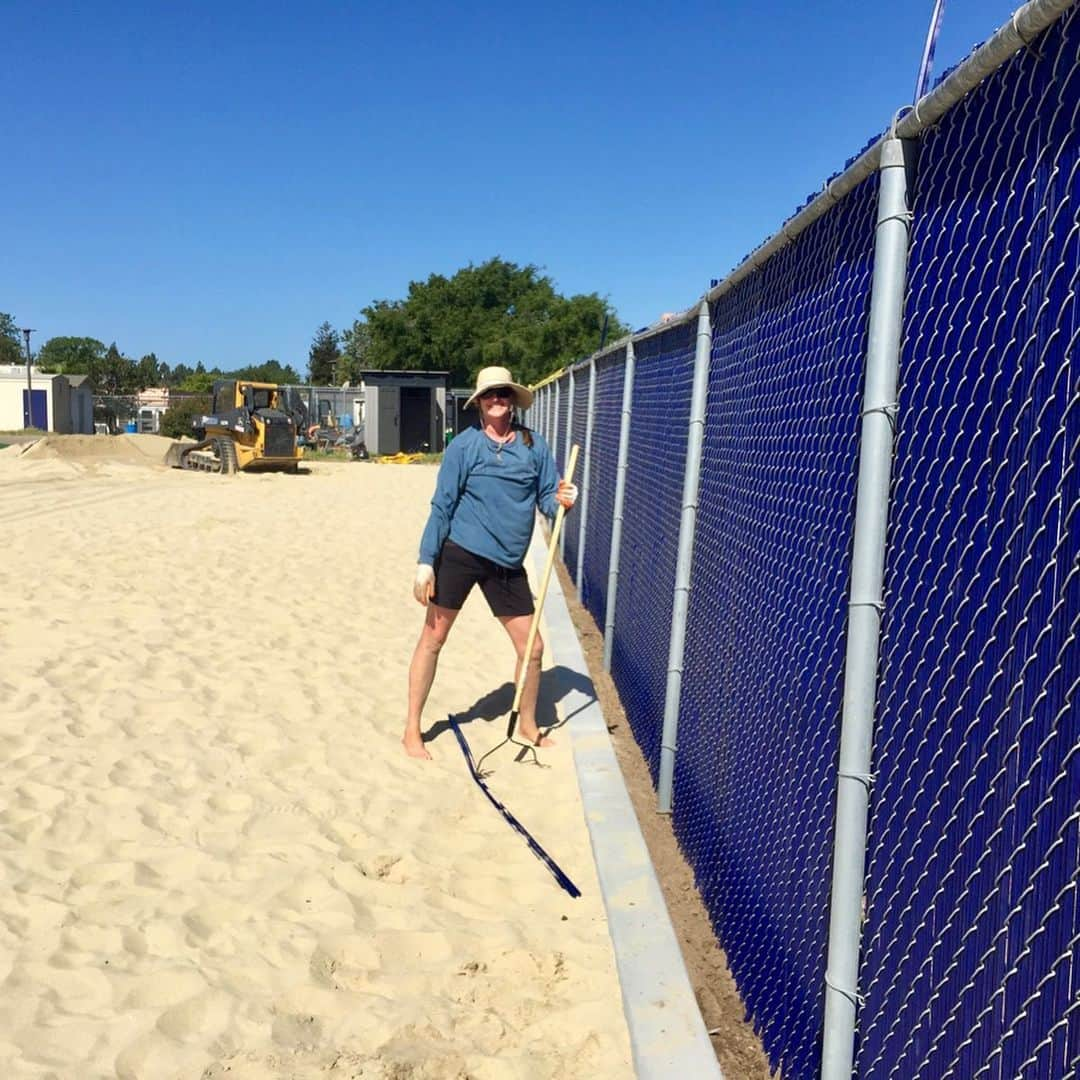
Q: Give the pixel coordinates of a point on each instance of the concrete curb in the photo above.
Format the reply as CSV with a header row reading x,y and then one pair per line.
x,y
667,1035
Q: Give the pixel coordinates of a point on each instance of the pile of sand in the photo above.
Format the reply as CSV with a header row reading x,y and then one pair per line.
x,y
123,449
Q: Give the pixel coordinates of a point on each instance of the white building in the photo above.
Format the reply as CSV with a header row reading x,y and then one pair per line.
x,y
60,403
151,405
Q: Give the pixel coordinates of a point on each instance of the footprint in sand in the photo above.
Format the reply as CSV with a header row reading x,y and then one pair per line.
x,y
533,979
108,872
72,991
41,797
285,822
208,919
200,1017
315,901
345,961
415,950
393,869
231,802
165,988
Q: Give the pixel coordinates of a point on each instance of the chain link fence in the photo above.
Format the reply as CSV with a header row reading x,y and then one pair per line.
x,y
971,942
771,567
968,941
578,425
603,480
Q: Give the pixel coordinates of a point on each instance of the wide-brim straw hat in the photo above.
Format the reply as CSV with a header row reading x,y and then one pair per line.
x,y
490,377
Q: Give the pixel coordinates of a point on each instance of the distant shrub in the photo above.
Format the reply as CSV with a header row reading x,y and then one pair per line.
x,y
177,418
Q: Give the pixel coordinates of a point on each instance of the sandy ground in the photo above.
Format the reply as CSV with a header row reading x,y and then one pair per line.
x,y
214,858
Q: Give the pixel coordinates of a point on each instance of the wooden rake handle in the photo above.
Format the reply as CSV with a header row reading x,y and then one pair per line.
x,y
553,544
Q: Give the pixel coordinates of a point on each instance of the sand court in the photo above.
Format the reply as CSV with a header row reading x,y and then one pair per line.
x,y
215,858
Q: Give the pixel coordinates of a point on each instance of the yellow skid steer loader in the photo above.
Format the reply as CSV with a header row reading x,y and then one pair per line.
x,y
252,426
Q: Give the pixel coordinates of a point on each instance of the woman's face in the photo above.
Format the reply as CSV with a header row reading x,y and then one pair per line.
x,y
496,404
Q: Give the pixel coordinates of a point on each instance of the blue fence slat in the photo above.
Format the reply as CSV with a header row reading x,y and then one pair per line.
x,y
663,378
561,416
969,876
578,429
603,477
754,782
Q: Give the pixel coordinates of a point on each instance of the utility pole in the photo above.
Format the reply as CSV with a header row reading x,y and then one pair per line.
x,y
26,332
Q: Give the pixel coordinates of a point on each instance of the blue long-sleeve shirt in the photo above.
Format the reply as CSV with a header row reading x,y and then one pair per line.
x,y
486,497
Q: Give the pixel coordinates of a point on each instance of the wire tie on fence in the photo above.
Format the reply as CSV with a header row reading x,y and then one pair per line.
x,y
906,216
867,779
856,999
826,189
877,605
1029,48
889,411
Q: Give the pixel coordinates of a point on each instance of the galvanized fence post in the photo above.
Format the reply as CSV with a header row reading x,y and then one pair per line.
x,y
555,425
620,497
687,528
583,519
864,613
569,437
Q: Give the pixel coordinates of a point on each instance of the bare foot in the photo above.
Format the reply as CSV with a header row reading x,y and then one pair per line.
x,y
413,742
536,737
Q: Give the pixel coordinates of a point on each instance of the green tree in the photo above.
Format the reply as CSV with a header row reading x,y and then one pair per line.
x,y
200,381
148,372
71,355
323,357
112,373
177,420
179,374
272,372
11,351
355,343
494,313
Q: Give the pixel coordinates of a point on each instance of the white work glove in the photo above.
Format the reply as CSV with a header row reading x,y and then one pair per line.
x,y
424,584
566,494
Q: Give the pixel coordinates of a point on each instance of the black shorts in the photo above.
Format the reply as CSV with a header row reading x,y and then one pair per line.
x,y
457,571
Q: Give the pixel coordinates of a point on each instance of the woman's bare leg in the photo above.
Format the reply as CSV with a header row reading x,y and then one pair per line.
x,y
517,626
425,660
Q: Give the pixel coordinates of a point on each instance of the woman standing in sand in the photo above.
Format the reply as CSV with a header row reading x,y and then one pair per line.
x,y
492,479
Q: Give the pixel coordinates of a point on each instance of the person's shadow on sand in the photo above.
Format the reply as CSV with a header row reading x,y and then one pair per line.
x,y
555,684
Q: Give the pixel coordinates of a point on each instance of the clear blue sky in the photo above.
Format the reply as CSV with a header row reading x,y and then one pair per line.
x,y
212,183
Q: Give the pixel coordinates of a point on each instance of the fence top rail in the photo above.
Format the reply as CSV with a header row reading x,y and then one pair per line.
x,y
553,377
1025,24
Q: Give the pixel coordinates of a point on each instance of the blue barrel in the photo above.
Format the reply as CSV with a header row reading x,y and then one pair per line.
x,y
130,428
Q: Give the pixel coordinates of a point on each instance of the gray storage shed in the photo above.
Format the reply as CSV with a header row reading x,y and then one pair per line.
x,y
459,417
405,411
82,404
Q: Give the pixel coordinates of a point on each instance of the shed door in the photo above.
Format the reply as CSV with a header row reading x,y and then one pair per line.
x,y
389,433
416,419
36,415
